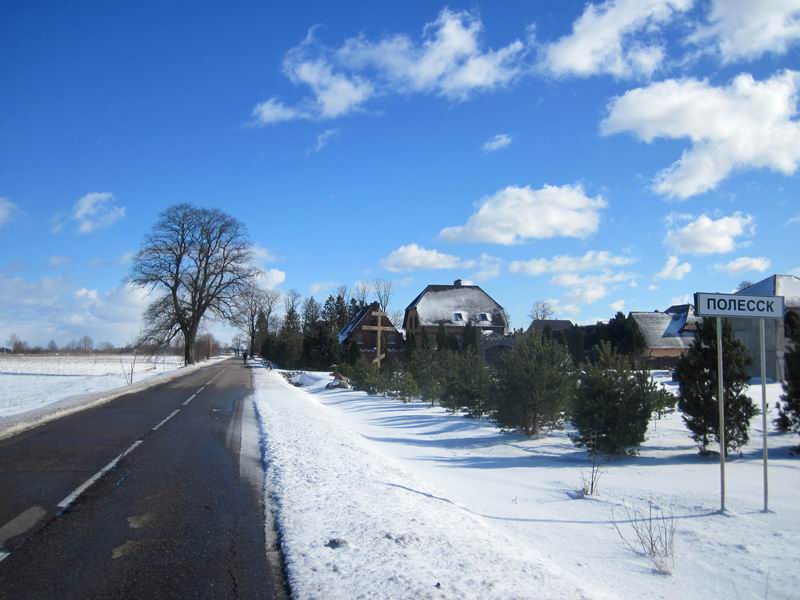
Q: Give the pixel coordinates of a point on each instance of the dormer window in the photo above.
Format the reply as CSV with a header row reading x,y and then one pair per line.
x,y
458,317
483,317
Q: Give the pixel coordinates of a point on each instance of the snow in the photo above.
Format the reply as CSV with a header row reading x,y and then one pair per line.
x,y
355,523
35,388
422,496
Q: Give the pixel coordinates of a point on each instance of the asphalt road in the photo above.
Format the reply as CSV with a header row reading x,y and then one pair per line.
x,y
179,516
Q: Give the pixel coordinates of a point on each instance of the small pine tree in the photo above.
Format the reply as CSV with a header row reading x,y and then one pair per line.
x,y
403,386
441,338
428,368
789,410
470,339
613,405
535,384
365,377
696,373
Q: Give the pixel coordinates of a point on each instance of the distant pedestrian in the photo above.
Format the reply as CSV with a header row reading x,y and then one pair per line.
x,y
245,356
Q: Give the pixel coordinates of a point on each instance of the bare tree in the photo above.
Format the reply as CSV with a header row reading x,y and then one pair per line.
x,y
248,306
396,317
743,284
291,301
542,310
343,292
383,293
360,292
86,344
16,345
238,343
199,261
271,299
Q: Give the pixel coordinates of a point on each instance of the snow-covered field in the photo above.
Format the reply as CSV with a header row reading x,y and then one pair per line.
x,y
33,383
375,498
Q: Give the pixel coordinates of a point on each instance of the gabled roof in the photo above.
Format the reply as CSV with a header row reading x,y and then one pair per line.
x,y
668,329
438,304
787,286
362,314
553,324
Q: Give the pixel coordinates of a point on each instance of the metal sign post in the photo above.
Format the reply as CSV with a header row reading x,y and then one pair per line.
x,y
748,307
721,399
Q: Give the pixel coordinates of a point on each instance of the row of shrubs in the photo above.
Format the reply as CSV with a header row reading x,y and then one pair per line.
x,y
533,387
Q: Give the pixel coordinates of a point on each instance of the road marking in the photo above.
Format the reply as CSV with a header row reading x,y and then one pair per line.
x,y
169,416
200,390
215,376
192,397
93,479
4,554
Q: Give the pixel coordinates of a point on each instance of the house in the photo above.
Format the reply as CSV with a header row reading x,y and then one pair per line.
x,y
366,339
775,334
668,334
454,306
539,325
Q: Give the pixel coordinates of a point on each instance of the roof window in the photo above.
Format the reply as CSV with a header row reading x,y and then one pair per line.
x,y
458,316
484,317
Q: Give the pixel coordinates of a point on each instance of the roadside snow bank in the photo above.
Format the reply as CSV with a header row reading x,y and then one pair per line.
x,y
354,523
35,390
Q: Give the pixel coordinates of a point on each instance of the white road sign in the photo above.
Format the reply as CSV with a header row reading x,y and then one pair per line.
x,y
736,305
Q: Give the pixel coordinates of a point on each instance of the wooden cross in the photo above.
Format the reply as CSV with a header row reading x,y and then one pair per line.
x,y
380,329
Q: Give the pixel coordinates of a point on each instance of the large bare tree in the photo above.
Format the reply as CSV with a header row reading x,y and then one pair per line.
x,y
383,293
198,260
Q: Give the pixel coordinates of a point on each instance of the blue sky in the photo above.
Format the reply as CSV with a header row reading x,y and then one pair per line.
x,y
620,154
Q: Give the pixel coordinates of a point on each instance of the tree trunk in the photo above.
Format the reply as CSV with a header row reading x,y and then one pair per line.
x,y
188,347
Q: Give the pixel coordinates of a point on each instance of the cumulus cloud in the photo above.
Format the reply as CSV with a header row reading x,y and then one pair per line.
x,y
617,306
56,261
8,210
706,235
615,37
744,264
586,289
261,254
488,268
748,124
270,278
322,286
517,214
449,60
96,210
411,257
746,30
674,269
592,260
498,142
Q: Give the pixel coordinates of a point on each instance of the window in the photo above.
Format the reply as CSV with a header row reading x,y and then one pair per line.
x,y
390,339
359,338
483,317
458,316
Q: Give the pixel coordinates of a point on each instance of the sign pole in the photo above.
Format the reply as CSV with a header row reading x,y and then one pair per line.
x,y
764,409
721,398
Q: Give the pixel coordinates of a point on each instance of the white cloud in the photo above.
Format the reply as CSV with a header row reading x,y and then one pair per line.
x,y
592,260
747,29
261,254
674,269
270,278
616,37
8,210
323,139
498,142
586,289
488,268
617,306
321,286
743,264
517,214
411,257
96,210
56,261
748,124
449,60
685,299
274,111
705,235
795,220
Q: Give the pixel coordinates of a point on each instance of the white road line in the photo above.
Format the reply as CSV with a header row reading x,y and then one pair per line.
x,y
93,479
4,554
192,397
169,416
200,390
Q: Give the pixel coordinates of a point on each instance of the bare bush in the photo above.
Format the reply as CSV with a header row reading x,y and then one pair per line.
x,y
653,535
589,484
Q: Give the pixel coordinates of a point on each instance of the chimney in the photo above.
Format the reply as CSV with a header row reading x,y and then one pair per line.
x,y
457,283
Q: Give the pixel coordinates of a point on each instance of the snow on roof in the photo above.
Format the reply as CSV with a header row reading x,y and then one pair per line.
x,y
440,303
353,323
666,330
787,286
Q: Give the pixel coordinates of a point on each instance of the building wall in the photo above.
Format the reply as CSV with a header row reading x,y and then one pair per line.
x,y
747,330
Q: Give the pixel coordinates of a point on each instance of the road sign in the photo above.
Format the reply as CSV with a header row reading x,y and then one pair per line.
x,y
735,305
747,307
